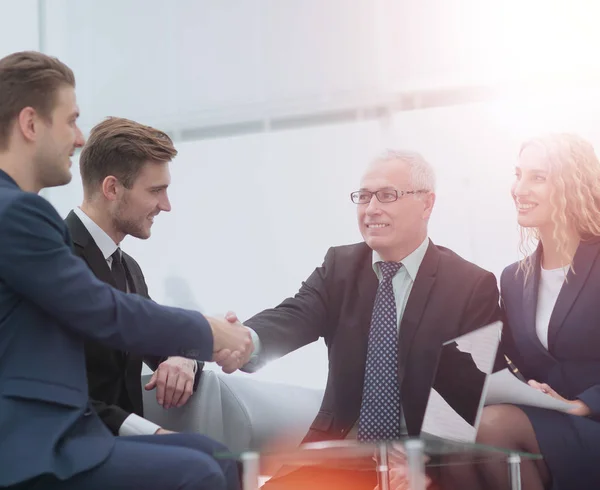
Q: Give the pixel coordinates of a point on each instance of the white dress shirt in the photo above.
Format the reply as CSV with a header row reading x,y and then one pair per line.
x,y
404,279
133,425
551,282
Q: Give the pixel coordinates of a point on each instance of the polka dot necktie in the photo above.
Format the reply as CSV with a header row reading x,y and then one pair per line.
x,y
380,409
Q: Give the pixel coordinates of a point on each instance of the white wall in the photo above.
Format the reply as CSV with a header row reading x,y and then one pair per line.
x,y
199,62
253,215
194,62
18,26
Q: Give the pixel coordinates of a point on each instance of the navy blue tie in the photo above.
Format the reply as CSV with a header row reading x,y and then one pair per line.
x,y
380,409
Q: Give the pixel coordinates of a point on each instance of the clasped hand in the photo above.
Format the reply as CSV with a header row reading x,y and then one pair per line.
x,y
233,344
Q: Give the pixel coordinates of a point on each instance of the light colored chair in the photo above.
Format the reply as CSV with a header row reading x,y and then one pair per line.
x,y
241,412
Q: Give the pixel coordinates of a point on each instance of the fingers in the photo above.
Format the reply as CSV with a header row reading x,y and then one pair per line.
x,y
231,317
174,384
181,393
161,383
232,364
396,453
175,381
543,387
221,356
228,360
187,392
534,384
162,431
150,385
399,482
402,481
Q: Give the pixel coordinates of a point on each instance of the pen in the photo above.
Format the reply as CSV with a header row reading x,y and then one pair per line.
x,y
514,370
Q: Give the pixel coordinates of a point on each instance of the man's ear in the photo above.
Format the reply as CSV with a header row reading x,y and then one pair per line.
x,y
28,123
429,201
111,188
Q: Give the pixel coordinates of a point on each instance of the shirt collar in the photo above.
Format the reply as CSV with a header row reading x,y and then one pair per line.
x,y
411,262
105,243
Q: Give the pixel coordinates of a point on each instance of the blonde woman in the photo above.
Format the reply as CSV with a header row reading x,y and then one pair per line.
x,y
551,301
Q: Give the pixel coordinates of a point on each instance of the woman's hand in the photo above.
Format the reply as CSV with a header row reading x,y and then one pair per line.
x,y
579,408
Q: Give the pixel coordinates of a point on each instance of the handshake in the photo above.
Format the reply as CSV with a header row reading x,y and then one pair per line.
x,y
232,345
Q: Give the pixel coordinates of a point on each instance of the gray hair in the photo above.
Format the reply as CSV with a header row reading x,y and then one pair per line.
x,y
422,175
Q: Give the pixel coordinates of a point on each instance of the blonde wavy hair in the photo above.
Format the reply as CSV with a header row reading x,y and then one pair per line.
x,y
574,175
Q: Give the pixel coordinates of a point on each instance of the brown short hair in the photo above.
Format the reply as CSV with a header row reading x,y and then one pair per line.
x,y
29,79
120,147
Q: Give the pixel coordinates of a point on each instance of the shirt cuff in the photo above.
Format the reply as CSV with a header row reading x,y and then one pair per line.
x,y
256,342
134,425
254,362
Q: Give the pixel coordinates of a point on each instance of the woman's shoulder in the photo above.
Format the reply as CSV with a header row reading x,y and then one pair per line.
x,y
511,270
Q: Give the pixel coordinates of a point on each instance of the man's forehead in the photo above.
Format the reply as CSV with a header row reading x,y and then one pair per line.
x,y
66,99
155,171
389,172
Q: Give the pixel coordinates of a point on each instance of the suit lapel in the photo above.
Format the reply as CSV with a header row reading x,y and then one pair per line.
x,y
133,280
89,251
367,290
584,259
415,305
86,248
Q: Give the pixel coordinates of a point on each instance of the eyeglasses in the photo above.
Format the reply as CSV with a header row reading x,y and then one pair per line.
x,y
384,195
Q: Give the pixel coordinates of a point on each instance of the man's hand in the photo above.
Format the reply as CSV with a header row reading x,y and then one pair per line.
x,y
163,432
399,478
229,360
579,408
174,382
232,342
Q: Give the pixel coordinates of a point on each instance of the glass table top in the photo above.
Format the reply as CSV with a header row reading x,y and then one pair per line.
x,y
352,454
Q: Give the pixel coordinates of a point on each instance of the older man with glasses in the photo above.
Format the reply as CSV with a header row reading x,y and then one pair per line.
x,y
384,307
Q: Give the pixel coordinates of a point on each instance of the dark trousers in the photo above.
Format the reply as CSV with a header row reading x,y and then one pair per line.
x,y
157,462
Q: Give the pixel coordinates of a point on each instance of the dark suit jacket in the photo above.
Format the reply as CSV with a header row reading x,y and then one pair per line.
x,y
571,365
449,297
113,375
49,302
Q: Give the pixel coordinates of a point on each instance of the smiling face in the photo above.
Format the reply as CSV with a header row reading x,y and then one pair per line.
x,y
59,137
136,208
533,189
393,229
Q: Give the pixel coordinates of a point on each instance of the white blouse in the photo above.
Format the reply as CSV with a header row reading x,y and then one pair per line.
x,y
551,282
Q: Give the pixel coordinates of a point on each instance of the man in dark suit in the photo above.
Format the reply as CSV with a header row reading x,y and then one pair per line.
x,y
384,308
125,174
50,436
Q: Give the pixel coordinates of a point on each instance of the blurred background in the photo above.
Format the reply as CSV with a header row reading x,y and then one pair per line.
x,y
276,107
